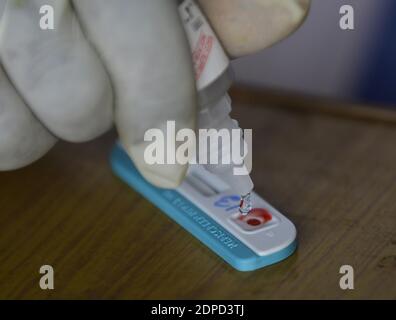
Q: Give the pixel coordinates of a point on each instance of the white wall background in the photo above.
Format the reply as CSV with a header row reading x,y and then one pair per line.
x,y
319,58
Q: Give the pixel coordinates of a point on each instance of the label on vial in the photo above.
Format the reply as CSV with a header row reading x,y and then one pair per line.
x,y
209,58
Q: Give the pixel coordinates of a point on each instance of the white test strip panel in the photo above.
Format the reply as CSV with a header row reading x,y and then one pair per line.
x,y
265,231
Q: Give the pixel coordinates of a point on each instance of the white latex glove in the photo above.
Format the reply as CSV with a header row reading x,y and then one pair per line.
x,y
126,60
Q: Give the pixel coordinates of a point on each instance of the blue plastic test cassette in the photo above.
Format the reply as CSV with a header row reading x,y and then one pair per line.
x,y
208,209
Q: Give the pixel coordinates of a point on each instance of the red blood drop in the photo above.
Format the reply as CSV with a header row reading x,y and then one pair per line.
x,y
260,212
253,222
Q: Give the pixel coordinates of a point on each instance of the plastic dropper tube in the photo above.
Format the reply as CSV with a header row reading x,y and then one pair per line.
x,y
214,78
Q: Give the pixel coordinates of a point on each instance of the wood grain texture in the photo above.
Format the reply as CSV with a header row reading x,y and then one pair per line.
x,y
335,179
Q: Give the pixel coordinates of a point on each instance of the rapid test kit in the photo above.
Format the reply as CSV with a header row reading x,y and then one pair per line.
x,y
214,204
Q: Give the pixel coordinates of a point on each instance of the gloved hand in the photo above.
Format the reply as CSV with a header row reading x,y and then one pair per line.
x,y
125,61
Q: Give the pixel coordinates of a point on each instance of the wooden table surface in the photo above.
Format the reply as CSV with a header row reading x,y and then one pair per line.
x,y
333,177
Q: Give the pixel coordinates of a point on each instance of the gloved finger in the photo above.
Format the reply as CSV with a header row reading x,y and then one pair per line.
x,y
248,26
146,52
23,139
56,71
